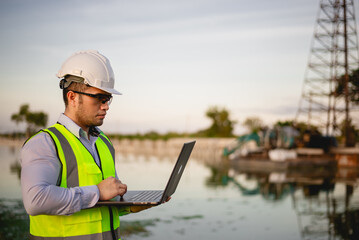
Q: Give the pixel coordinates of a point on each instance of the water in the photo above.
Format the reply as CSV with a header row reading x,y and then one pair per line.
x,y
10,172
219,200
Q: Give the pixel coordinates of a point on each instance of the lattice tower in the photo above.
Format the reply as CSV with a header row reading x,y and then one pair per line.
x,y
334,54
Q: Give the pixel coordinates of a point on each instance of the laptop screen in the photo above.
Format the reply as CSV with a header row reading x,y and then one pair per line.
x,y
178,170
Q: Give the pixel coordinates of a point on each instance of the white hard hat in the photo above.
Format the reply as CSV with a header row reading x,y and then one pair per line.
x,y
93,67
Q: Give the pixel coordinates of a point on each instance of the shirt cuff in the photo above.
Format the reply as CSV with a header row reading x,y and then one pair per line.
x,y
90,196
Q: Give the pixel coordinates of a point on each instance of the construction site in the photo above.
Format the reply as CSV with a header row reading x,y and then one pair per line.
x,y
318,151
323,132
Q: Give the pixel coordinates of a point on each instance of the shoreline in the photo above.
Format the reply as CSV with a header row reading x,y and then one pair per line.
x,y
205,149
12,142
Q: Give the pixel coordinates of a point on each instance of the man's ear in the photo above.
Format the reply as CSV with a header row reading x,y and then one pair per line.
x,y
71,98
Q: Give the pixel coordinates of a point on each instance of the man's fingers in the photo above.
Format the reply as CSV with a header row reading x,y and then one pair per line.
x,y
122,189
111,187
135,209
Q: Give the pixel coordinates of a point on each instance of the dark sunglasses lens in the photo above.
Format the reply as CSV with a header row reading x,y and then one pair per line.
x,y
105,98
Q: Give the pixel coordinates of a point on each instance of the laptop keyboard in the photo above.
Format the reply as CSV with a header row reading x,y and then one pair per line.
x,y
147,196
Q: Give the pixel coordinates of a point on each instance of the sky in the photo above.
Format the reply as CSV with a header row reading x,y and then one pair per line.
x,y
172,59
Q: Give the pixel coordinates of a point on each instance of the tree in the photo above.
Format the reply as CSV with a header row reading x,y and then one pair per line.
x,y
34,120
353,133
253,124
347,127
284,123
221,125
353,86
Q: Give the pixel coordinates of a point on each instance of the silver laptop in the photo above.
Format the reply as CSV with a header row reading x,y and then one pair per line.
x,y
155,197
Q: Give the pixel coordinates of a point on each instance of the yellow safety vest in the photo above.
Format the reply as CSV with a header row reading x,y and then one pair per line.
x,y
79,169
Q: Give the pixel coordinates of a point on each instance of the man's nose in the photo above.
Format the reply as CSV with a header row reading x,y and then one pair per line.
x,y
105,106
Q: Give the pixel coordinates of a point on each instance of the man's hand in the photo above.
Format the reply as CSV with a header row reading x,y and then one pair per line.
x,y
110,188
136,209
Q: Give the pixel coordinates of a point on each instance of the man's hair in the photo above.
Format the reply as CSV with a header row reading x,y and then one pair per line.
x,y
80,87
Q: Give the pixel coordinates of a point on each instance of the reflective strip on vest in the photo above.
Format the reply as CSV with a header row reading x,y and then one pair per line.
x,y
108,144
97,236
79,169
71,164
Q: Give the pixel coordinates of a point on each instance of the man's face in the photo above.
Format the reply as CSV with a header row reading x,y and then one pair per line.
x,y
91,111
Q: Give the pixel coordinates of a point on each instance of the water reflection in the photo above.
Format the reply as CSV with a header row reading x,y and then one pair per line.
x,y
346,224
219,198
323,199
15,168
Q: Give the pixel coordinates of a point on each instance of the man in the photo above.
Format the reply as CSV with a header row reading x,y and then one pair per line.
x,y
68,167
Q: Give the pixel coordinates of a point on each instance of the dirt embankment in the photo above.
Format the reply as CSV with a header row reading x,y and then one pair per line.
x,y
11,142
205,148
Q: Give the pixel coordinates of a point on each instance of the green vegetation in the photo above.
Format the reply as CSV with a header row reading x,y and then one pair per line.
x,y
188,217
301,127
221,125
33,120
253,124
152,135
353,86
129,228
13,135
14,221
352,134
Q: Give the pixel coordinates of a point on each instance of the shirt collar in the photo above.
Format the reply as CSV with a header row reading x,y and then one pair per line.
x,y
76,129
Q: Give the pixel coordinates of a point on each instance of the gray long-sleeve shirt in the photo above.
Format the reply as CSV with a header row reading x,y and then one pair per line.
x,y
40,172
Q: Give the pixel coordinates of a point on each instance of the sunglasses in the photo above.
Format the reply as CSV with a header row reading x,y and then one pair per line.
x,y
103,98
